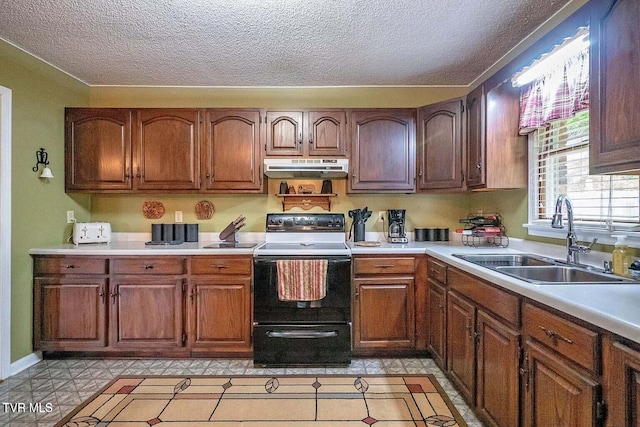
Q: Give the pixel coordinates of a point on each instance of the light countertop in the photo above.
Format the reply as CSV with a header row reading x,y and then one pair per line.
x,y
613,307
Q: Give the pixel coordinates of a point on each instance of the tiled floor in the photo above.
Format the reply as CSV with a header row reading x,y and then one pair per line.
x,y
64,384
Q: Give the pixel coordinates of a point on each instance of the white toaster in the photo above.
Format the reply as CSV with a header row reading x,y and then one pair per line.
x,y
91,232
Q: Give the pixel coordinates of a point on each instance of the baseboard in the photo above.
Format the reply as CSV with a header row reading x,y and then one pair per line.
x,y
24,363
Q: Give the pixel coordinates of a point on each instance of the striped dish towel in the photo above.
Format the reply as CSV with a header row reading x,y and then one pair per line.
x,y
302,279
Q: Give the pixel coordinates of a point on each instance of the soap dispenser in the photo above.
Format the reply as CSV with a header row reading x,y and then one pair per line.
x,y
621,256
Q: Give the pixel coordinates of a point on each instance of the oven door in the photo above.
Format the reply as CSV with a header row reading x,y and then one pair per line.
x,y
308,345
334,307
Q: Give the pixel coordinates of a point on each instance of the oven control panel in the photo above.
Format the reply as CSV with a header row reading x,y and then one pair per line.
x,y
305,222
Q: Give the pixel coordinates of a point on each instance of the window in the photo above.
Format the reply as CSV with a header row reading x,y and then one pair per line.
x,y
560,165
555,114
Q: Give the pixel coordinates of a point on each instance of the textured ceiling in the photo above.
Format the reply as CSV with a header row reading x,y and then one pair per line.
x,y
272,42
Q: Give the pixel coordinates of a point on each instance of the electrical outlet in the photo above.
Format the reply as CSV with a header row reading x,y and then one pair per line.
x,y
71,217
178,216
381,216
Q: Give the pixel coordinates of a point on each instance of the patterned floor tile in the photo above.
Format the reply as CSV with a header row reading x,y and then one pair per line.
x,y
66,383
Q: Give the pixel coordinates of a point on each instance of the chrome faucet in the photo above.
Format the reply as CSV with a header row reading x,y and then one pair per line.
x,y
573,247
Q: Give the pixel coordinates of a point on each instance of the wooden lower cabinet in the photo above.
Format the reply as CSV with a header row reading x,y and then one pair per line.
x,y
437,329
141,306
461,363
622,382
219,304
498,380
146,312
556,393
69,313
384,313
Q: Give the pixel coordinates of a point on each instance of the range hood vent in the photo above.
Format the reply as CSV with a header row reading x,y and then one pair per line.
x,y
306,168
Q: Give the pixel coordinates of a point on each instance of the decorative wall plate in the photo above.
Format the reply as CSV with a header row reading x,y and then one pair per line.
x,y
152,210
204,209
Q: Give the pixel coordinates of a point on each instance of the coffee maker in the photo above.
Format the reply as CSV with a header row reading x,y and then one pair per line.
x,y
396,232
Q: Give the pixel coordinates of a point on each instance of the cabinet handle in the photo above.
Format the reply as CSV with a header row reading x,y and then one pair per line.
x,y
555,335
191,296
478,166
126,174
101,293
311,138
113,297
383,265
357,294
300,138
138,175
219,266
148,267
469,330
69,266
420,172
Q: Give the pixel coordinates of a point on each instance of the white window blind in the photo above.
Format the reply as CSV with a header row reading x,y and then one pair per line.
x,y
561,166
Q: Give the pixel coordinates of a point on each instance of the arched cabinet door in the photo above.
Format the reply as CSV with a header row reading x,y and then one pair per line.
x,y
167,149
284,133
383,158
97,149
326,135
232,160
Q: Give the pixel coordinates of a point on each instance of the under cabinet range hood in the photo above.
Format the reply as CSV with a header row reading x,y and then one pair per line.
x,y
306,168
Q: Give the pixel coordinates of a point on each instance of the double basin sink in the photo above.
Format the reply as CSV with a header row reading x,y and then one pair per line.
x,y
542,270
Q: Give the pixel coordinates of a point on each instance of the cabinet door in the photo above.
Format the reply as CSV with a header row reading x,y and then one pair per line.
x,y
384,313
556,393
220,313
461,344
284,133
622,377
69,313
436,336
326,133
614,137
167,149
97,149
475,170
440,137
498,357
146,312
383,151
232,145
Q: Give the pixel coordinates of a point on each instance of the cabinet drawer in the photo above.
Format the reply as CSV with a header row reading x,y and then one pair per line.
x,y
569,339
384,265
143,265
69,265
220,265
504,304
437,270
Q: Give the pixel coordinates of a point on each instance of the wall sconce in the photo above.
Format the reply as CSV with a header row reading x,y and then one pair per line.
x,y
42,158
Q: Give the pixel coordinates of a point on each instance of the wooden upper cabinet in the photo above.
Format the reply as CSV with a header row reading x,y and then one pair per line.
x,y
440,139
232,159
497,154
306,133
97,149
327,133
475,143
614,137
383,157
167,149
284,133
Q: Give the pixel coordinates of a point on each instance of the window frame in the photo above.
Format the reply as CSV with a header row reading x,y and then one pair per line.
x,y
585,230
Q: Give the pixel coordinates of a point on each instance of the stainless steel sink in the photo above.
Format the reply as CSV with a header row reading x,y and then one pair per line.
x,y
559,274
542,270
501,260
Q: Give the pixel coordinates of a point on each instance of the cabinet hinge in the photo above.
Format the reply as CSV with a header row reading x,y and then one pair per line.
x,y
461,107
601,410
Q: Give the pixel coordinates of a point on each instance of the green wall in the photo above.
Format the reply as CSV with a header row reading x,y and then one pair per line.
x,y
39,95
